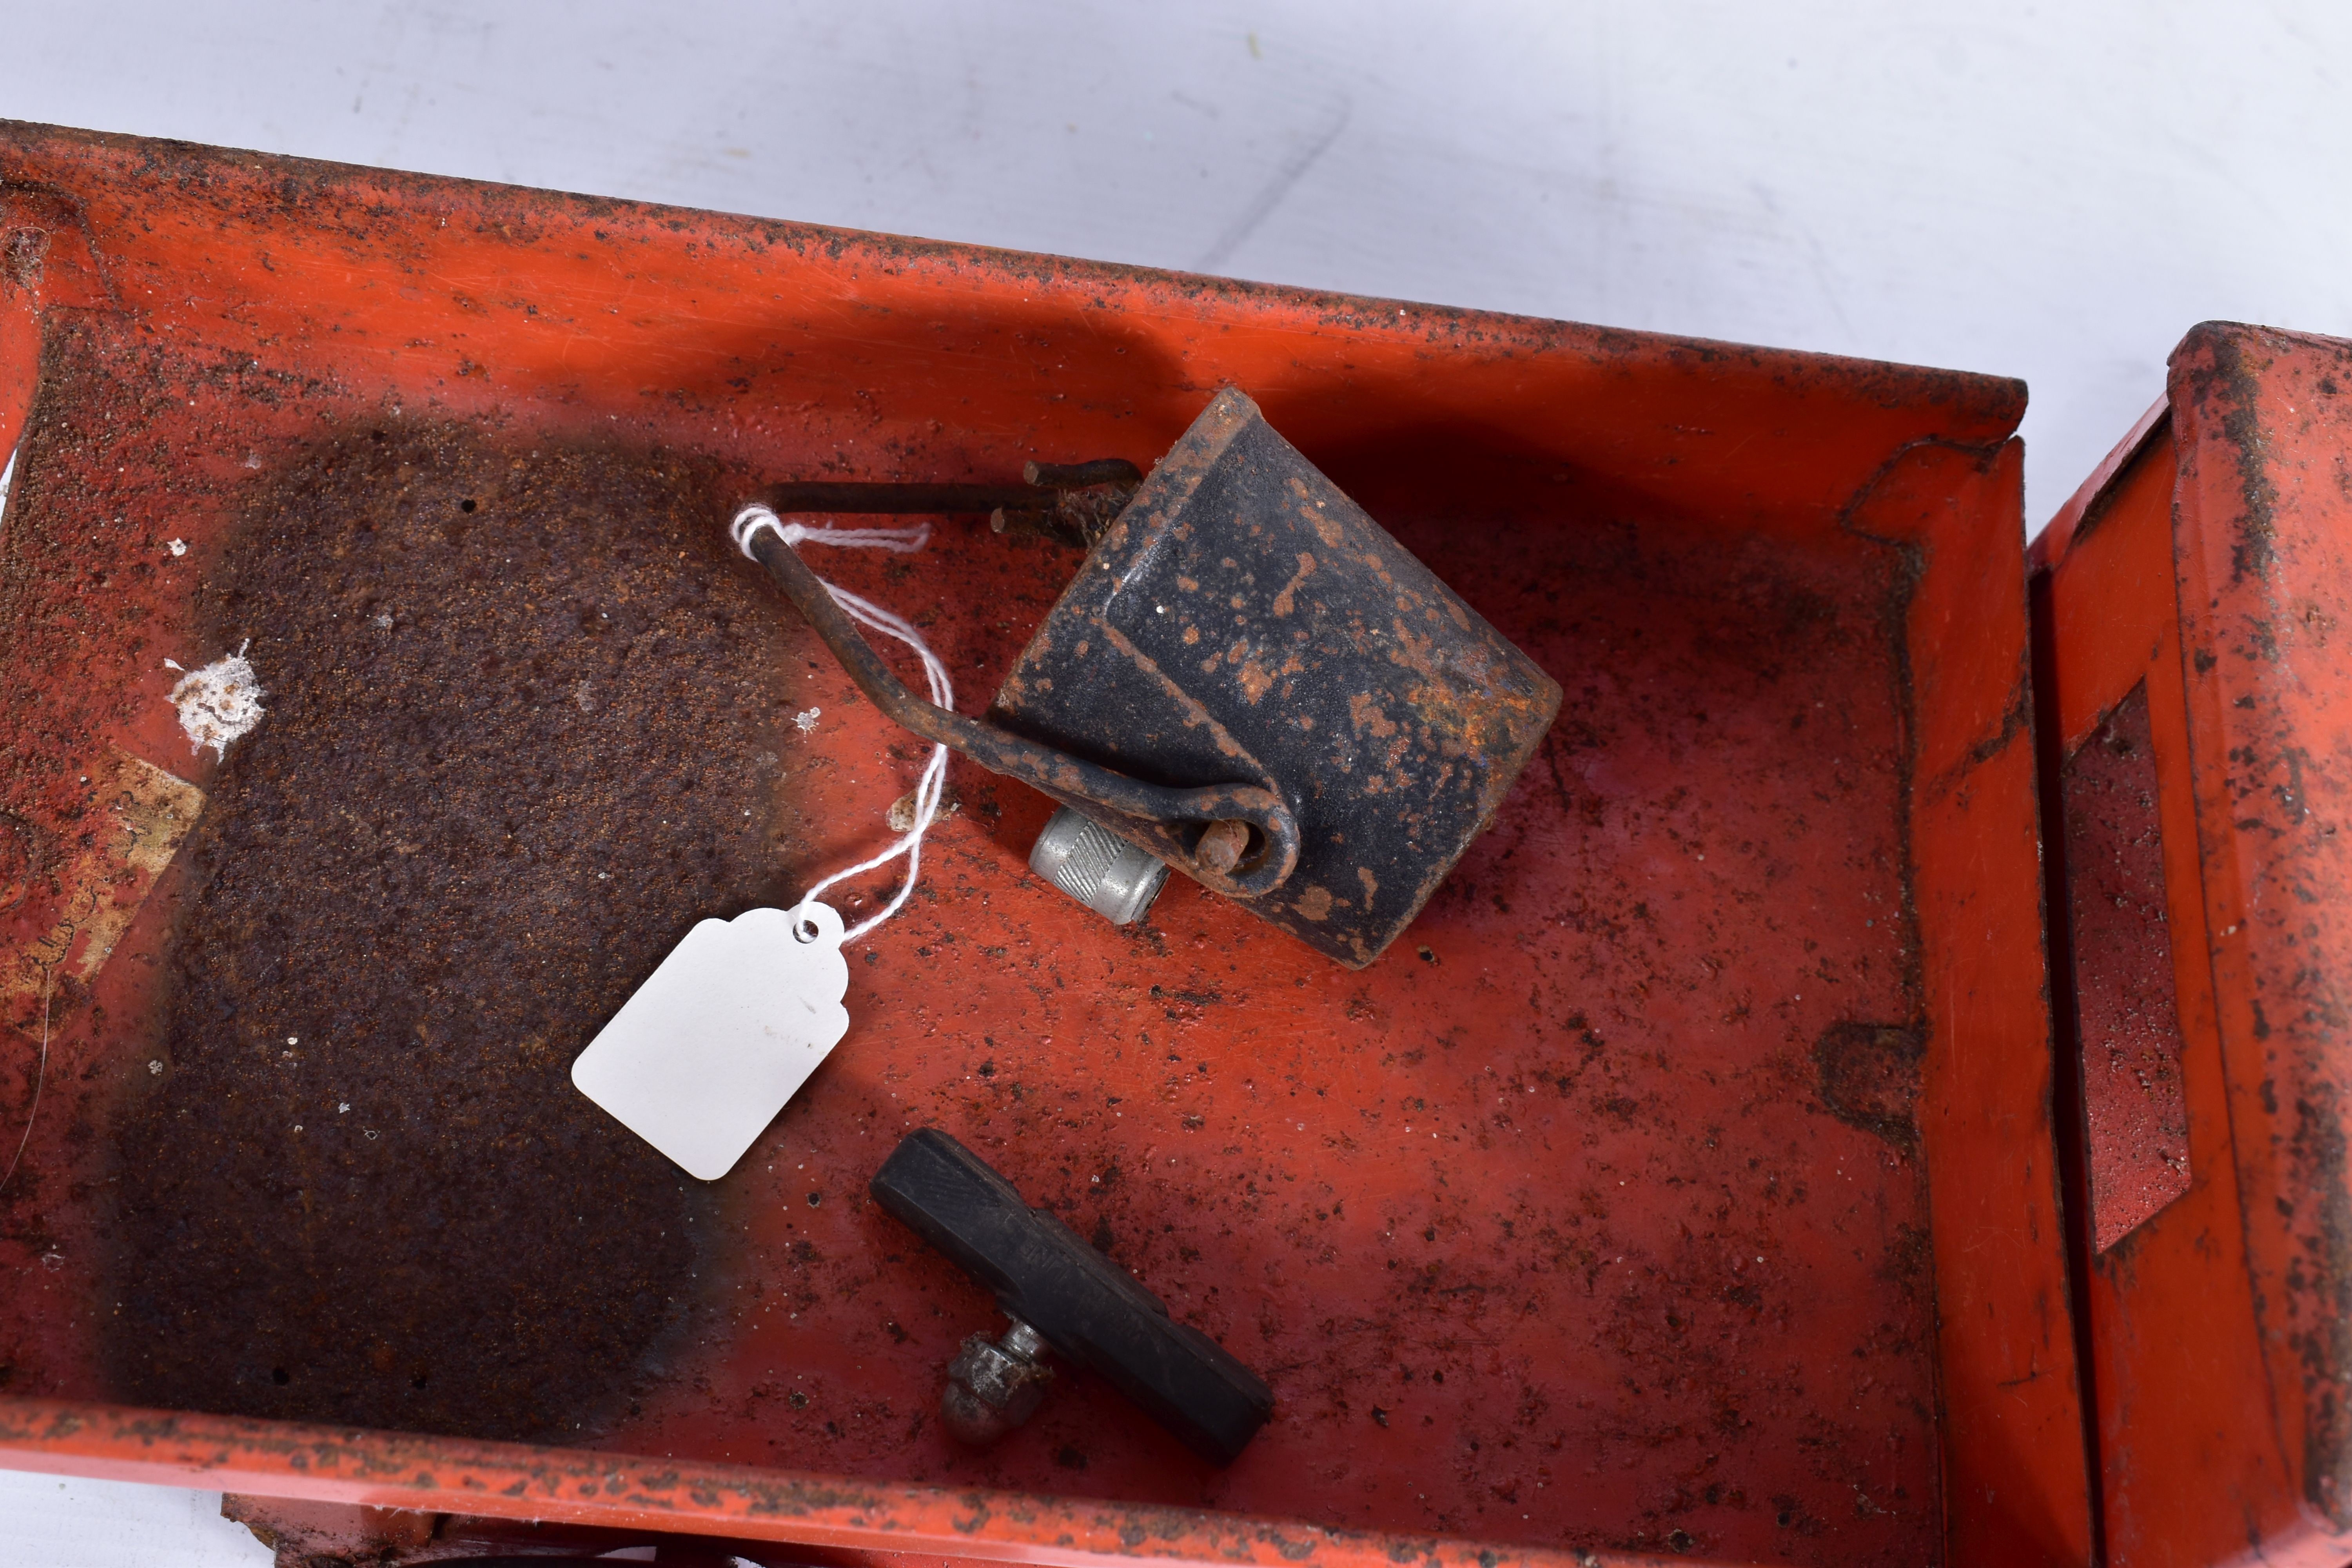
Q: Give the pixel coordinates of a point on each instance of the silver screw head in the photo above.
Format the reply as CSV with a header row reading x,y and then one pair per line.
x,y
992,1387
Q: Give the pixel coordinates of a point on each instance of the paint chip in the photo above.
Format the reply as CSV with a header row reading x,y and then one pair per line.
x,y
219,703
177,546
807,721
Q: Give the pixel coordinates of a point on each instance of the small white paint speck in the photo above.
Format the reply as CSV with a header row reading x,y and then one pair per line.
x,y
155,1067
807,721
293,1039
342,1106
177,547
219,703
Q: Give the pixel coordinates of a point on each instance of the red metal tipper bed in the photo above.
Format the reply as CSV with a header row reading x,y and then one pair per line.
x,y
1683,1182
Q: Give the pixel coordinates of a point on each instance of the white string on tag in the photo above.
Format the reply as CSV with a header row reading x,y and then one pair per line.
x,y
753,518
933,781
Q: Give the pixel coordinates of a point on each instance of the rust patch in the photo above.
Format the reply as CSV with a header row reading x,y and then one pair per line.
x,y
2321,1290
1389,716
1255,678
1869,1077
22,255
1284,600
366,1191
2232,387
1364,712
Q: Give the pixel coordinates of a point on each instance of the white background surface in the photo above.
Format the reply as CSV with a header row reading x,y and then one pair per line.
x,y
2053,191
49,1522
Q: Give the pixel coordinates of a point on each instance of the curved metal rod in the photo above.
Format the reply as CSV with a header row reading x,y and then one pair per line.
x,y
889,496
1169,823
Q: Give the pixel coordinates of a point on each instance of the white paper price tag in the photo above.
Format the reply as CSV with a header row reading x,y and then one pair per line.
x,y
699,1060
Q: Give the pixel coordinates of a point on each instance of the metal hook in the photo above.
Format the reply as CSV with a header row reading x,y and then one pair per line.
x,y
1237,839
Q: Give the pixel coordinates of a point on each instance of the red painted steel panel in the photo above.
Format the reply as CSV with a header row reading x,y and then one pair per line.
x,y
2211,565
1681,1181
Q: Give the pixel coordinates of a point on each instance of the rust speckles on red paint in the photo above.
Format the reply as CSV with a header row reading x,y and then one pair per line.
x,y
2187,665
1549,1243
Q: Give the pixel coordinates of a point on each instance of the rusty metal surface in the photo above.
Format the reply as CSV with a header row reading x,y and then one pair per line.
x,y
830,1521
1548,1231
1488,1259
520,733
1169,821
2265,563
2135,1108
1243,615
304,1535
2209,568
2188,1448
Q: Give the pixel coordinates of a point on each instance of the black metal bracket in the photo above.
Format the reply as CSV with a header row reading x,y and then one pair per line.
x,y
1069,502
1239,839
1088,1308
1248,678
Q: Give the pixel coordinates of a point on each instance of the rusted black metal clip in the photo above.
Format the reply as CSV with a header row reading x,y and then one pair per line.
x,y
1071,503
1237,838
1248,678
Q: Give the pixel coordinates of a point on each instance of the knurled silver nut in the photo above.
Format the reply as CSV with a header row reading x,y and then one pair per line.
x,y
1097,867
